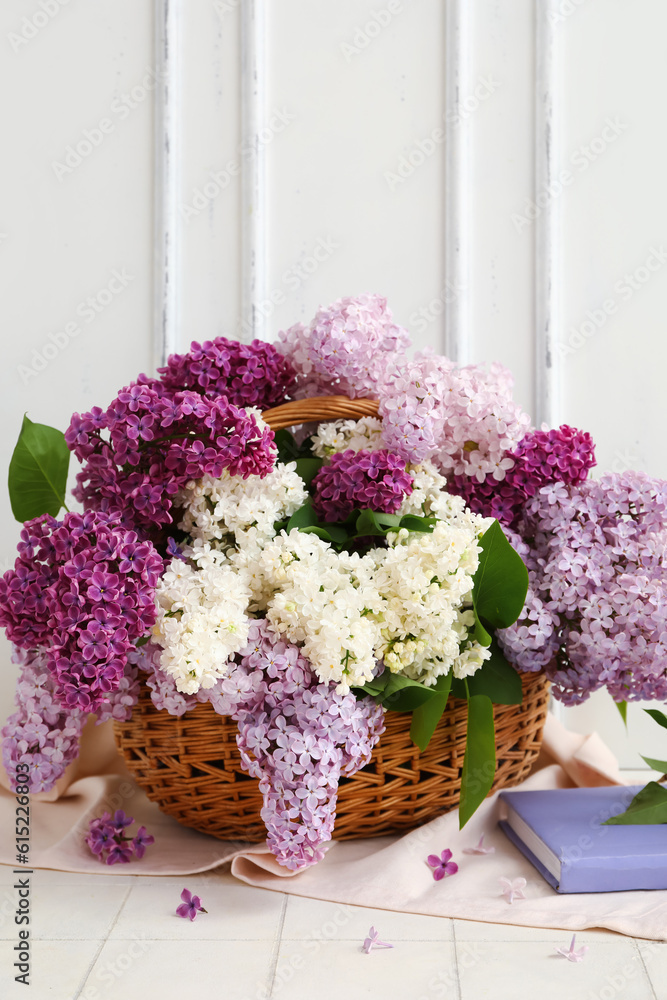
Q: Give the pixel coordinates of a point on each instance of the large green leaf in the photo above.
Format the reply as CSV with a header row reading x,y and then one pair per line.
x,y
501,581
304,517
479,762
657,765
426,717
649,806
404,695
622,707
308,468
657,716
331,533
497,679
38,471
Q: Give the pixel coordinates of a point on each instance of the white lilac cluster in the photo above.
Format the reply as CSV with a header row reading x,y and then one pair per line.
x,y
202,618
246,509
348,435
406,605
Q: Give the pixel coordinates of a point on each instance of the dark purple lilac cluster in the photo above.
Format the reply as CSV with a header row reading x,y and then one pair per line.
x,y
561,455
151,441
253,374
83,589
107,838
374,480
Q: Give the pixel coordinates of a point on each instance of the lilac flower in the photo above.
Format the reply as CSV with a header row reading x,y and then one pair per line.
x,y
106,838
254,374
479,848
361,479
442,865
190,906
141,841
571,954
373,941
512,888
119,853
596,611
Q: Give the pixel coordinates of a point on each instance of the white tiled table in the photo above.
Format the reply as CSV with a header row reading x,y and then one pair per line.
x,y
105,937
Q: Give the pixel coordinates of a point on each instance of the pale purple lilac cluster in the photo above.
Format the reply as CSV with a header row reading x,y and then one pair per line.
x,y
107,838
596,612
151,441
43,733
563,455
83,589
253,374
349,348
374,480
296,734
464,419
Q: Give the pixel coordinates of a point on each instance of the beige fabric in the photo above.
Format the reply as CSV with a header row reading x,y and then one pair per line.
x,y
388,873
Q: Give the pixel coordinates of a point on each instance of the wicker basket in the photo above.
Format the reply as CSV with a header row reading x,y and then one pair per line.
x,y
191,767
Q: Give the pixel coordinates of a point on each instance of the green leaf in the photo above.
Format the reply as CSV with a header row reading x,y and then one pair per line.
x,y
308,468
330,533
38,471
501,581
498,680
479,762
304,517
426,717
657,765
649,806
415,523
286,445
480,633
622,707
368,523
659,717
404,695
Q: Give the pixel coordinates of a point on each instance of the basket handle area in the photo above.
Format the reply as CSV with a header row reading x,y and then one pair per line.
x,y
303,411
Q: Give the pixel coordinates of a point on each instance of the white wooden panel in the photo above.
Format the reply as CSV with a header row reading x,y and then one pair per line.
x,y
67,229
212,158
356,176
501,168
611,219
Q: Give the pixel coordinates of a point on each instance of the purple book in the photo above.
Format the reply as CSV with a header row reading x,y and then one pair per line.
x,y
560,831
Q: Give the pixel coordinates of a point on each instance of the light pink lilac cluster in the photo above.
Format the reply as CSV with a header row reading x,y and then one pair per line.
x,y
151,441
374,480
83,589
253,374
563,455
464,419
107,838
596,612
43,733
349,348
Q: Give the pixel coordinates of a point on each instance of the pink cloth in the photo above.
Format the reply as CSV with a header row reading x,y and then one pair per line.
x,y
388,873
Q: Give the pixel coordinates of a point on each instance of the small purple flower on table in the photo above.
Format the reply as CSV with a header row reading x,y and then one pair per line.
x,y
373,941
142,839
572,954
107,838
479,848
443,865
512,888
190,906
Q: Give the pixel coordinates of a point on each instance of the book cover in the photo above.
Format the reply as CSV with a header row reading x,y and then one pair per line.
x,y
561,832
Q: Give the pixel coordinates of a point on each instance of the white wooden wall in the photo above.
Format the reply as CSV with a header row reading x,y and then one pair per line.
x,y
495,167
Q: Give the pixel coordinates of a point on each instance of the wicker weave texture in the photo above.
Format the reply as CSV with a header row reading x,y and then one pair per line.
x,y
191,766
